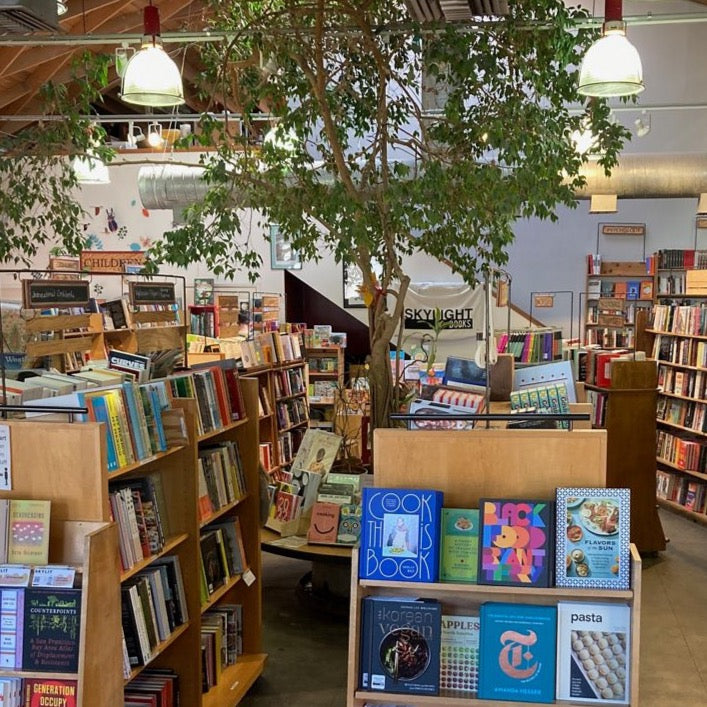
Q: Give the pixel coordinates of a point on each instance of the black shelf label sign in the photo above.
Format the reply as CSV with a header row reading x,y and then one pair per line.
x,y
44,294
152,293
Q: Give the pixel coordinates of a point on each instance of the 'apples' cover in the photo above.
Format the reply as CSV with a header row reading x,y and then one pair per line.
x,y
517,652
593,652
400,534
459,552
515,542
459,654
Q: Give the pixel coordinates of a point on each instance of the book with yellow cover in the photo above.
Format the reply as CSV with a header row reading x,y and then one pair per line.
x,y
119,426
28,532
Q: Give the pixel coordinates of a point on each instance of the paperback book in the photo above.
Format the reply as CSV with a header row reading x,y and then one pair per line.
x,y
515,542
459,654
459,545
45,692
400,641
593,652
593,536
517,652
400,534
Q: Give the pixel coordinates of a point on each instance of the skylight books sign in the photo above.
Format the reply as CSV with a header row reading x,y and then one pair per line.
x,y
400,534
593,536
459,545
400,641
515,542
459,654
593,652
517,652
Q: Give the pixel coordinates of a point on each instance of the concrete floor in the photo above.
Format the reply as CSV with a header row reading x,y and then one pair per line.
x,y
307,648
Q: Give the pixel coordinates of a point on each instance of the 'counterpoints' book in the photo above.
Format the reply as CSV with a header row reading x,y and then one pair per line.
x,y
515,542
400,534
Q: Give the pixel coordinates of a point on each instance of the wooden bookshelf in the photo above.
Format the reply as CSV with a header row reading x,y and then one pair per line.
x,y
325,368
466,467
629,419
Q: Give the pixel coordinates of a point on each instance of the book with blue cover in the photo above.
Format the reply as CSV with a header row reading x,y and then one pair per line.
x,y
400,534
517,652
400,645
515,542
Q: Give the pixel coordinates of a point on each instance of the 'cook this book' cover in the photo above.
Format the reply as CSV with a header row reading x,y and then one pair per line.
x,y
400,645
459,551
593,652
517,652
400,534
515,542
51,630
45,691
459,654
593,535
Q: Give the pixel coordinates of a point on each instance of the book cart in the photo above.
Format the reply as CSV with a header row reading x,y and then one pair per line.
x,y
467,466
70,468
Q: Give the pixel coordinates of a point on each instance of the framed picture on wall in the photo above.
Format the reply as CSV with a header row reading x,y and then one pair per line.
x,y
282,255
353,281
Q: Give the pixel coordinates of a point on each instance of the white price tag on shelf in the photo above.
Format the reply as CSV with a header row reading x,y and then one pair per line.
x,y
248,577
5,459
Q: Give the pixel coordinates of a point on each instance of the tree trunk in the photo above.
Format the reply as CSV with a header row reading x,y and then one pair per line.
x,y
380,380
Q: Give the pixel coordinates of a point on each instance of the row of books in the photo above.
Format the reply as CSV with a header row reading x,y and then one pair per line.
x,y
578,539
680,319
291,412
321,336
222,556
598,402
686,492
605,313
323,391
152,688
35,692
202,323
221,641
622,289
683,413
221,479
684,453
153,605
119,314
265,455
323,364
271,347
24,531
138,507
531,346
288,444
550,398
289,381
608,337
264,405
679,258
40,629
594,363
686,352
508,651
690,384
674,284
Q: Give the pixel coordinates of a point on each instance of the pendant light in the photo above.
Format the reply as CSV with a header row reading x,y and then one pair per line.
x,y
611,66
151,78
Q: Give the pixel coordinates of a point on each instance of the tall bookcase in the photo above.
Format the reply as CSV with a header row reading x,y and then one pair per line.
x,y
629,418
466,468
78,486
613,298
325,371
680,347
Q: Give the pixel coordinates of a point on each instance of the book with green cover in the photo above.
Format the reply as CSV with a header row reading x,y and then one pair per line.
x,y
459,545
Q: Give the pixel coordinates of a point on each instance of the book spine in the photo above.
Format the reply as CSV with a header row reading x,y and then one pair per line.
x,y
99,412
136,431
114,422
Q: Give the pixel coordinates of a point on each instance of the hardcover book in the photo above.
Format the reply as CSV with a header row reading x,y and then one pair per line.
x,y
517,652
459,545
349,524
324,523
402,642
593,652
52,619
400,534
592,538
459,654
515,542
47,691
28,541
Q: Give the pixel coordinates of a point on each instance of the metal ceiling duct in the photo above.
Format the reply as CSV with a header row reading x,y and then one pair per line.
x,y
455,10
649,176
22,16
